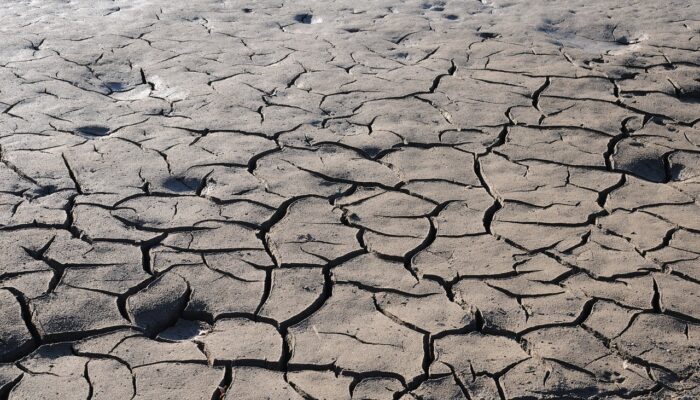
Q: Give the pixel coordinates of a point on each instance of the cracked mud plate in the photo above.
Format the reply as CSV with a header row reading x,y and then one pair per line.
x,y
459,199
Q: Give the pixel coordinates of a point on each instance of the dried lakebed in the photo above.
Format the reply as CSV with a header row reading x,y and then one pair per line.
x,y
459,199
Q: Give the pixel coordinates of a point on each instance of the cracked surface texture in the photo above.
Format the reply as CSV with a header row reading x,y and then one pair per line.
x,y
400,199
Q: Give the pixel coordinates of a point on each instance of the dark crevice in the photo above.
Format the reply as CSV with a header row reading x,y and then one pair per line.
x,y
536,94
490,212
656,301
86,376
7,387
224,385
269,276
26,313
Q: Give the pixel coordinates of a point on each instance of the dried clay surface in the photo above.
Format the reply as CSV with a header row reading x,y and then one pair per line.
x,y
436,199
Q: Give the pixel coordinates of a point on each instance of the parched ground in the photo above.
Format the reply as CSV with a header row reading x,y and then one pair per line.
x,y
349,199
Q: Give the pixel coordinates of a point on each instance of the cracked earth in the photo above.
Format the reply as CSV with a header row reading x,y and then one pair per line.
x,y
350,200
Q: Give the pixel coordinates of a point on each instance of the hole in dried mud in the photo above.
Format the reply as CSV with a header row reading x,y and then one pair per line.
x,y
307,19
371,150
488,35
181,184
44,190
92,131
691,96
647,168
677,171
116,86
185,330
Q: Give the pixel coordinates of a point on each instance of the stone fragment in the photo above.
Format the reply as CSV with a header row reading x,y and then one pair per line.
x,y
480,255
70,313
213,293
293,291
261,383
54,374
321,384
347,329
377,388
181,381
237,339
311,233
437,163
478,352
109,379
